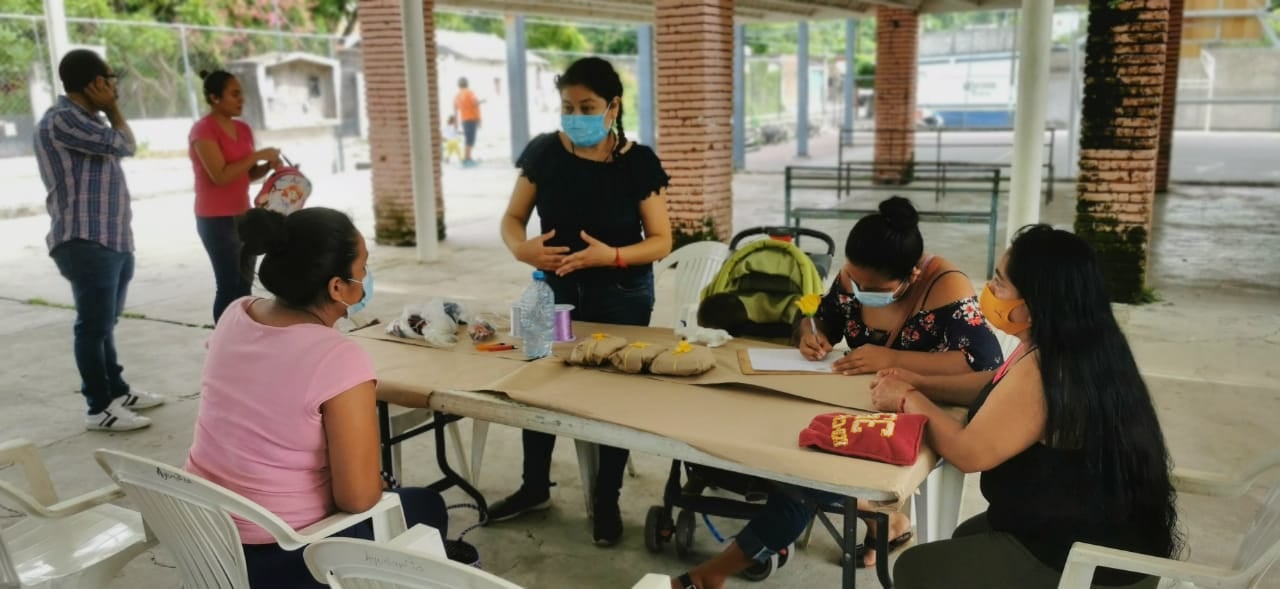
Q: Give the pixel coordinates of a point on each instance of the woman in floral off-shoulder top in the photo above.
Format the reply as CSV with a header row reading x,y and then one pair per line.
x,y
896,307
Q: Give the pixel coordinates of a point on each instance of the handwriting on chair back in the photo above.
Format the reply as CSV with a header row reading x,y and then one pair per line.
x,y
396,562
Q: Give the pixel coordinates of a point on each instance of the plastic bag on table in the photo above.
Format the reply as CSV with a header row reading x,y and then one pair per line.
x,y
442,322
436,322
410,324
482,326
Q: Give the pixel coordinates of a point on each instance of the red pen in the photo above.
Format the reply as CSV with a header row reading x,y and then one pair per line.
x,y
498,347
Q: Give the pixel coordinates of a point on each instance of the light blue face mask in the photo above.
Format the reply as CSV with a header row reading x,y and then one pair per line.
x,y
584,130
367,286
874,299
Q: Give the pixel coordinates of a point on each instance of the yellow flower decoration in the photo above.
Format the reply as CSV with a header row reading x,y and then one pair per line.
x,y
639,345
599,336
683,348
808,304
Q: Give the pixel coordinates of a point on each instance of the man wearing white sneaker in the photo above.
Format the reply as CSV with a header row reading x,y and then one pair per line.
x,y
90,237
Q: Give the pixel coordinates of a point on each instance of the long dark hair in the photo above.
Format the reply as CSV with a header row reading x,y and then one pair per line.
x,y
597,75
1097,400
887,242
303,251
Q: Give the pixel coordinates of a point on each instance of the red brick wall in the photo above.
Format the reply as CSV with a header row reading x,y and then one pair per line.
x,y
382,48
897,41
693,40
1120,135
1169,102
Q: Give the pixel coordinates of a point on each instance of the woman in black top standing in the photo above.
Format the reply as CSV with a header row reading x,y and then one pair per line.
x,y
602,203
1065,434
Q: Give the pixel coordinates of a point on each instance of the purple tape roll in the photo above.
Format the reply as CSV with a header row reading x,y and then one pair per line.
x,y
564,323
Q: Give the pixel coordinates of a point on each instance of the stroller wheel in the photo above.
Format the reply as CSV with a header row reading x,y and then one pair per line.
x,y
657,529
685,525
760,570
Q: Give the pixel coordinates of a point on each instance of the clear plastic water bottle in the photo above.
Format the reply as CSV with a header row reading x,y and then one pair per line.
x,y
537,317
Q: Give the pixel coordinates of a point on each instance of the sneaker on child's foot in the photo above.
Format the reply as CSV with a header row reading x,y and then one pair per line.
x,y
138,400
115,418
519,503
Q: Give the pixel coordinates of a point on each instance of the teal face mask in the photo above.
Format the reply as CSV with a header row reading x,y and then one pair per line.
x,y
584,130
874,299
367,286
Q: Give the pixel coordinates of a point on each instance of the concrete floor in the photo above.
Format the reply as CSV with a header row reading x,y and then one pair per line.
x,y
1208,349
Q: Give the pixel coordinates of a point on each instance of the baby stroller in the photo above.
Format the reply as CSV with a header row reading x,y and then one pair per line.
x,y
753,296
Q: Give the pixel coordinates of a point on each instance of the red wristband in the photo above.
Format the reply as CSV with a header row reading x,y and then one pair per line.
x,y
617,258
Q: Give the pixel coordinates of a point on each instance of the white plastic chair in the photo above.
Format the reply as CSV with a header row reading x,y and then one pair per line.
x,y
413,560
696,265
192,518
81,542
1260,549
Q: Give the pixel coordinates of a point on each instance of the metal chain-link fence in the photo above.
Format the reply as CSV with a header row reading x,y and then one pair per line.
x,y
157,65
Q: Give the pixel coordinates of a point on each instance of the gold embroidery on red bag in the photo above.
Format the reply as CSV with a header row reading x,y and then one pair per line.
x,y
887,420
840,436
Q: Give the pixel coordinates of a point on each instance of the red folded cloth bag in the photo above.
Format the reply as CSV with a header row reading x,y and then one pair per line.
x,y
892,438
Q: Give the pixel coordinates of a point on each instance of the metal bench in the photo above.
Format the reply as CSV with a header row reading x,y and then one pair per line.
x,y
946,178
979,143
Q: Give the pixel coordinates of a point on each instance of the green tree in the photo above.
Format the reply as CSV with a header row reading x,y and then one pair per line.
x,y
825,38
611,40
21,45
556,37
467,23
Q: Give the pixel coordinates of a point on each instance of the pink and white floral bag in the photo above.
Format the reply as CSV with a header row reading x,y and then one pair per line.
x,y
285,191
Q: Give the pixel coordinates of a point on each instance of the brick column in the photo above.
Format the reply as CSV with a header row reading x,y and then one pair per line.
x,y
1169,102
382,49
1120,135
694,43
897,39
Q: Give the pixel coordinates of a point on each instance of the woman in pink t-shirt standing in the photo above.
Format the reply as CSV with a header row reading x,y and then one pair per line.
x,y
224,163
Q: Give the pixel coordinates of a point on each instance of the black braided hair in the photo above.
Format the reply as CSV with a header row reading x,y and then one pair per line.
x,y
622,135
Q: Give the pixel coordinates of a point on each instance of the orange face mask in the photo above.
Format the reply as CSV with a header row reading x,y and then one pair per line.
x,y
998,311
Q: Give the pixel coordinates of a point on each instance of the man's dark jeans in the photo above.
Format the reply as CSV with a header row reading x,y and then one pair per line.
x,y
99,279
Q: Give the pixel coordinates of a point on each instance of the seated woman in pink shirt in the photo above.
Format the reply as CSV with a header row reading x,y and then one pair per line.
x,y
224,162
287,410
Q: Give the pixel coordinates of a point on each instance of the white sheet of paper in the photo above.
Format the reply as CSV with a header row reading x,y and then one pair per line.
x,y
775,360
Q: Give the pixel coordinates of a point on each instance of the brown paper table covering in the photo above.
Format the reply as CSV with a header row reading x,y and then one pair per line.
x,y
464,345
756,428
738,418
409,370
852,392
